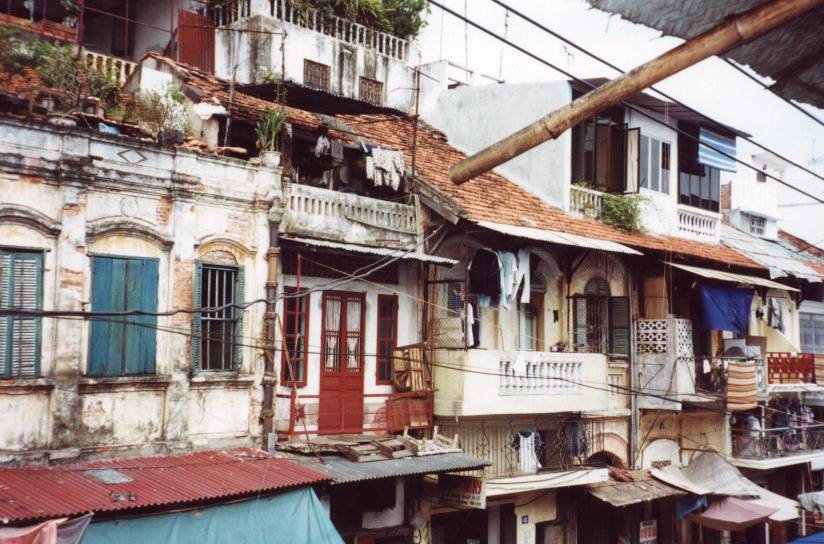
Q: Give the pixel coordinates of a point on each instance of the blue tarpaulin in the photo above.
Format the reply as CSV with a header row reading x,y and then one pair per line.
x,y
726,308
817,538
295,516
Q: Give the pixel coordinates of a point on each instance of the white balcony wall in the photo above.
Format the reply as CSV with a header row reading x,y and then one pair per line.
x,y
481,382
474,117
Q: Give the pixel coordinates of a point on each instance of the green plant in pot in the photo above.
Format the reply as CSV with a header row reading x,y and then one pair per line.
x,y
268,129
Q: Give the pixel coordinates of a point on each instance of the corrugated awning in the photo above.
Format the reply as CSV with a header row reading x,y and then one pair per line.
x,y
556,237
545,480
731,277
643,488
368,250
343,471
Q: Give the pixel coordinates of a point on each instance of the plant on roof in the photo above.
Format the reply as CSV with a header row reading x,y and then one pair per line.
x,y
20,49
163,109
268,128
402,18
622,211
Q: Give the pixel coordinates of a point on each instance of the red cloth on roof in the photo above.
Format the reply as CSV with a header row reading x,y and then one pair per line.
x,y
732,514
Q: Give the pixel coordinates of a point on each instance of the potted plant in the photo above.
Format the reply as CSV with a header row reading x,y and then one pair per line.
x,y
268,128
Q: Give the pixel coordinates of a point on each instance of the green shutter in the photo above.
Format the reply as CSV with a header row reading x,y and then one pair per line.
x,y
100,364
20,287
197,324
619,325
147,333
239,313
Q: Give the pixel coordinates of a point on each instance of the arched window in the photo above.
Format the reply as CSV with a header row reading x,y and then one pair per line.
x,y
601,321
597,286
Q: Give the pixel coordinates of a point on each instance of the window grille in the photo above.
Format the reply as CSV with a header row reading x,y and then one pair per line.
x,y
218,288
757,225
315,75
387,336
296,324
371,90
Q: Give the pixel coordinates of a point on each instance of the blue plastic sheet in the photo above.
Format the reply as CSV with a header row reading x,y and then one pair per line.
x,y
294,516
726,308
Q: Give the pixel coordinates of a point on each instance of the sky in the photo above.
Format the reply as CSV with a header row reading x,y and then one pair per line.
x,y
711,86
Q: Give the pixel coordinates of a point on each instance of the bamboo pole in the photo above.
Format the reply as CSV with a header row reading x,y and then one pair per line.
x,y
715,41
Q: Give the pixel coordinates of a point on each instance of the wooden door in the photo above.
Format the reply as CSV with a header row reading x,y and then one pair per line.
x,y
341,375
196,40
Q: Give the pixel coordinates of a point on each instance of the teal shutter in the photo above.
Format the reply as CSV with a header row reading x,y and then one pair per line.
x,y
239,313
20,287
123,345
197,323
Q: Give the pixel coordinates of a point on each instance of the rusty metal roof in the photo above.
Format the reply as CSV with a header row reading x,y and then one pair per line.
x,y
642,488
38,492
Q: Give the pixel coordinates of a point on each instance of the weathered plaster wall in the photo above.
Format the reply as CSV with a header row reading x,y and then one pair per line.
x,y
73,195
675,436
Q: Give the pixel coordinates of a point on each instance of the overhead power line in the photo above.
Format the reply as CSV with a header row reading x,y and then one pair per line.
x,y
627,105
662,93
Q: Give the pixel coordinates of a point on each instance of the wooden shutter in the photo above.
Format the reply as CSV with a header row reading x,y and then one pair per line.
x,y
633,160
619,325
20,287
239,313
579,315
197,323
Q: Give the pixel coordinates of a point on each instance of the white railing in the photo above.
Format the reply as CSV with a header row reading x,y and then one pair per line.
x,y
585,201
118,69
225,12
347,31
524,373
371,212
699,224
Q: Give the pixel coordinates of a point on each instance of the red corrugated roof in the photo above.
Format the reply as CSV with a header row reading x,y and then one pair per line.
x,y
46,492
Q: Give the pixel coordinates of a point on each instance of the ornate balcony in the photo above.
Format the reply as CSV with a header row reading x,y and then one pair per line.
x,y
586,202
522,382
350,218
698,224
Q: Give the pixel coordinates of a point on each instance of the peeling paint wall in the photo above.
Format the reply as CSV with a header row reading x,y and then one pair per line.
x,y
75,194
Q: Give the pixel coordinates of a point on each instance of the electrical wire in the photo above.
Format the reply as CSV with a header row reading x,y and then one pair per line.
x,y
662,93
625,104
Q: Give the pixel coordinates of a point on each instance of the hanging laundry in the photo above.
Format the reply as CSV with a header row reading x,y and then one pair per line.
x,y
509,273
472,322
524,271
388,167
775,314
322,146
370,168
529,444
336,149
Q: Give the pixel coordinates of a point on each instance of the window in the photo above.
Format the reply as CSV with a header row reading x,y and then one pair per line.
x,y
20,287
812,332
761,177
371,90
654,159
530,315
387,336
757,224
217,339
342,331
123,345
601,322
315,75
296,326
599,152
699,185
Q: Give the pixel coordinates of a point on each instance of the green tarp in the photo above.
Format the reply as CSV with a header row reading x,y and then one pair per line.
x,y
295,516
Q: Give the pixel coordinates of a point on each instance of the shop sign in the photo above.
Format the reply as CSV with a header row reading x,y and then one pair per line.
x,y
648,532
465,491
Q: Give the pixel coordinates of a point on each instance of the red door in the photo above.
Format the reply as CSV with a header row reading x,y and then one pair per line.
x,y
196,40
341,374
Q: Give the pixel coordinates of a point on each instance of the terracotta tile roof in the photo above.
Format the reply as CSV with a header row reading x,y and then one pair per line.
x,y
39,492
492,197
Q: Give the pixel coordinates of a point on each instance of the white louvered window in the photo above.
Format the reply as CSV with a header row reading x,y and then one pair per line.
x,y
20,289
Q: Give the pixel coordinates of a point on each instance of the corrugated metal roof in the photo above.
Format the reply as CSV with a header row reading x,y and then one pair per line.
x,y
37,492
555,237
403,255
643,488
780,259
729,276
342,470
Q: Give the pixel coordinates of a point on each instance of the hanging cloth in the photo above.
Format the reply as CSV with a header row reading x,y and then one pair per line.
x,y
726,308
775,314
336,149
509,273
524,271
322,146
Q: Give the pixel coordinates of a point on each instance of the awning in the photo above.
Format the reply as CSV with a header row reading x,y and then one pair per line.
x,y
731,514
707,154
642,488
729,276
368,250
294,516
342,470
556,237
545,480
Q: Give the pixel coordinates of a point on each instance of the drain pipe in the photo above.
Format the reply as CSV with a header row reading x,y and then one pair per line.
x,y
267,412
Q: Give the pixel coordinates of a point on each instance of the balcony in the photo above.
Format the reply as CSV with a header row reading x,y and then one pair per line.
x,y
349,218
586,202
773,447
329,25
780,372
521,382
665,358
698,224
117,69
